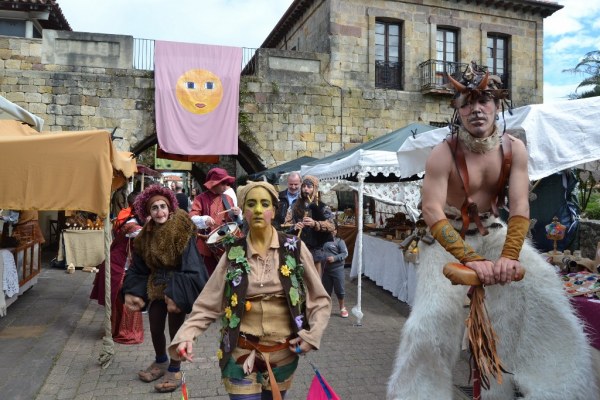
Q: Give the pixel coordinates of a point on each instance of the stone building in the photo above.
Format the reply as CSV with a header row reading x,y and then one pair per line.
x,y
382,65
332,73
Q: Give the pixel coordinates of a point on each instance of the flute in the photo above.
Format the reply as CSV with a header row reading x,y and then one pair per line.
x,y
310,199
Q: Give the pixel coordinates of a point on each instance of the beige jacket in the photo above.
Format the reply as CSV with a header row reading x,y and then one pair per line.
x,y
209,305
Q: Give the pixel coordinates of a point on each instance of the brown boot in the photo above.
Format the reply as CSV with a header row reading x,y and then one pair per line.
x,y
153,372
169,382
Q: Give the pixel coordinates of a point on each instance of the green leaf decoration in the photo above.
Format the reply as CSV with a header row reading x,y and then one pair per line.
x,y
234,321
290,262
246,265
229,239
235,253
241,260
294,297
232,274
228,291
294,281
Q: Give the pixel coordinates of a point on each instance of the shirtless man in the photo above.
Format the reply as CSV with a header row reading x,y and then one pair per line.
x,y
464,222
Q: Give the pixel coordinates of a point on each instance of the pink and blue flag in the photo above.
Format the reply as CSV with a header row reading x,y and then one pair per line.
x,y
197,97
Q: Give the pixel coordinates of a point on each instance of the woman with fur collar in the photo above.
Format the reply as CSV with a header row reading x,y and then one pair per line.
x,y
269,299
166,276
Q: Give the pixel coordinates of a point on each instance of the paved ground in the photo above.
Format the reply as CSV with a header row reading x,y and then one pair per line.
x,y
52,336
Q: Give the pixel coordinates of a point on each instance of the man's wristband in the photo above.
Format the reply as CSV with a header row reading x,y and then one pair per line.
x,y
450,240
518,226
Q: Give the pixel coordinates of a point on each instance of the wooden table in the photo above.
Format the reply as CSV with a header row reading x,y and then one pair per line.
x,y
83,248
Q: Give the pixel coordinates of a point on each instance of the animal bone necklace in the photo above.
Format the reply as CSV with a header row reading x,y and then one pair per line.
x,y
479,145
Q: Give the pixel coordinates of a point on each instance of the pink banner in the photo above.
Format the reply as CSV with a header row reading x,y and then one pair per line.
x,y
197,97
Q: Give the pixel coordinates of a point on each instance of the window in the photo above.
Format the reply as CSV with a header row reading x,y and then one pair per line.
x,y
446,54
12,27
388,62
497,61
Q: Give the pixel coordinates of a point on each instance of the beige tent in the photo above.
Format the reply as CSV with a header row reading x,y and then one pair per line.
x,y
63,171
58,170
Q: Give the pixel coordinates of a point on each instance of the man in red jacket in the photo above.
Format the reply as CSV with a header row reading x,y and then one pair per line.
x,y
212,209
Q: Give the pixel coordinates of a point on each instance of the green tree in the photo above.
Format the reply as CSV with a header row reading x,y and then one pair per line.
x,y
589,66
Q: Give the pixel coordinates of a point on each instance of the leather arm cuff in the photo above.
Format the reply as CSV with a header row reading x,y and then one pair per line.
x,y
518,226
450,240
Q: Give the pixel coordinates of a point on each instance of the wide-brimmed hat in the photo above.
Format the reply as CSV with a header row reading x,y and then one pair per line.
x,y
216,176
150,195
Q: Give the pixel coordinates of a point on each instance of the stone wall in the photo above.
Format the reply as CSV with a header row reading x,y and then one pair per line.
x,y
589,237
311,32
75,97
292,110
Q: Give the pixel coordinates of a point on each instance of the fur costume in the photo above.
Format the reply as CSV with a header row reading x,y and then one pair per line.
x,y
540,340
162,246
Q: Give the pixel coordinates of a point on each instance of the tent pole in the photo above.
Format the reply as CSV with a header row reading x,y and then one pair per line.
x,y
108,346
357,310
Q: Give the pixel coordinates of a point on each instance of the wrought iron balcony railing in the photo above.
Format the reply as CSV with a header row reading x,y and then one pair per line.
x,y
434,76
388,75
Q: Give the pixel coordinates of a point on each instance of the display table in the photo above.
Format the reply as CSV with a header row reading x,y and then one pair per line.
x,y
83,248
348,234
589,312
383,262
19,270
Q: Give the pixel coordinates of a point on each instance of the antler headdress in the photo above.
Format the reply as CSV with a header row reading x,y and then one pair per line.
x,y
474,82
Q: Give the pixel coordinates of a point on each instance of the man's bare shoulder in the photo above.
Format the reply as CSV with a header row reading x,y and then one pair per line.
x,y
518,147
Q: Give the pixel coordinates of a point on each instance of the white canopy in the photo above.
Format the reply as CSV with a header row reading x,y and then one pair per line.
x,y
374,161
558,135
365,162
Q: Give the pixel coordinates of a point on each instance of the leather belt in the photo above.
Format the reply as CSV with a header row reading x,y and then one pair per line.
x,y
250,342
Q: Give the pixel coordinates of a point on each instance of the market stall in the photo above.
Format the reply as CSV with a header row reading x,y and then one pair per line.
x,y
34,166
366,167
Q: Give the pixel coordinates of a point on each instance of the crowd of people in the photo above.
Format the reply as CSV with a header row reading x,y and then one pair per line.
x,y
261,277
264,265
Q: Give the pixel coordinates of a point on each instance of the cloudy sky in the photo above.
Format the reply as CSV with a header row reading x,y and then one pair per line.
x,y
568,34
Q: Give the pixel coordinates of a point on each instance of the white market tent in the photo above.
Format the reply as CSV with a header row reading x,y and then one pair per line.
x,y
371,163
558,136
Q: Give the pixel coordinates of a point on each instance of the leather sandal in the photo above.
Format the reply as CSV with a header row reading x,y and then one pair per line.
x,y
153,372
169,382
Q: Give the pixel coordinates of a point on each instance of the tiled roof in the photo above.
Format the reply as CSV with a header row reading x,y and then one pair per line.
x,y
295,11
56,19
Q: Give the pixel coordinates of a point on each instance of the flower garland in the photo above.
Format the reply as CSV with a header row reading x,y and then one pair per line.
x,y
238,264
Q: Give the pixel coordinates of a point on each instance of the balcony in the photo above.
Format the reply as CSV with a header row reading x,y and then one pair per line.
x,y
433,76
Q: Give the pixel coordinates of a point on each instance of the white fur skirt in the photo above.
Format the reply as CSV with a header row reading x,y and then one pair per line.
x,y
540,340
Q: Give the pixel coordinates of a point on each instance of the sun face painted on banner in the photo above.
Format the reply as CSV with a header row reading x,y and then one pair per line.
x,y
199,91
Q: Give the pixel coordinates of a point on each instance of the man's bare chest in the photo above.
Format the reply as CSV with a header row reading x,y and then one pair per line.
x,y
483,174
